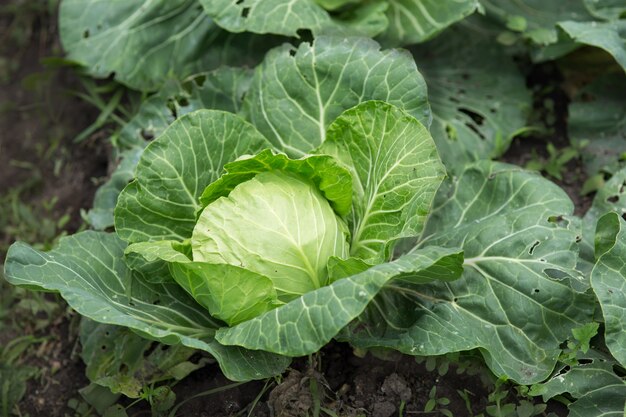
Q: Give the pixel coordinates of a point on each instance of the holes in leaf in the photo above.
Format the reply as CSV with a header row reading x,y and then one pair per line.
x,y
245,12
477,118
612,199
147,134
624,216
579,239
585,361
475,130
450,132
536,290
555,274
558,220
182,101
305,35
199,80
86,34
454,100
533,246
172,108
493,110
150,349
188,86
292,52
455,299
622,187
156,302
239,2
107,333
103,347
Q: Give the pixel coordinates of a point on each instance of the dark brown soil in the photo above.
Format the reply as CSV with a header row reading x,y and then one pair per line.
x,y
550,104
38,161
38,120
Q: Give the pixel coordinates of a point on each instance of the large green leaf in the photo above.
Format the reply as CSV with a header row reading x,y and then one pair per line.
x,y
597,120
124,362
307,323
267,16
610,198
333,180
396,171
175,169
610,36
608,280
597,389
297,93
221,89
513,301
479,100
414,21
289,18
536,19
89,272
606,9
230,293
143,42
101,215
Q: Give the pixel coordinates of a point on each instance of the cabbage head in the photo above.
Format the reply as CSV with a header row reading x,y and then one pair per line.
x,y
276,224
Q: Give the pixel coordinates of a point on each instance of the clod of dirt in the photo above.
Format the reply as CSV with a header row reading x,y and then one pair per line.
x,y
396,385
291,398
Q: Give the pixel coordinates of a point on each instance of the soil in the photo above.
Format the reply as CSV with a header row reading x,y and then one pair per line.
x,y
38,120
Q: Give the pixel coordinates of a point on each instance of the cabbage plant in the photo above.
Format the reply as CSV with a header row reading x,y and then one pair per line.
x,y
259,247
224,243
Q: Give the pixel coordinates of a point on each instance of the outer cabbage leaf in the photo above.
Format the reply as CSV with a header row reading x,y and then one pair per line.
x,y
414,21
297,93
335,4
606,9
175,169
101,215
513,301
88,270
333,180
268,16
597,117
598,390
396,171
307,323
124,362
610,198
276,224
230,293
479,100
143,42
221,89
610,36
288,18
536,19
608,280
